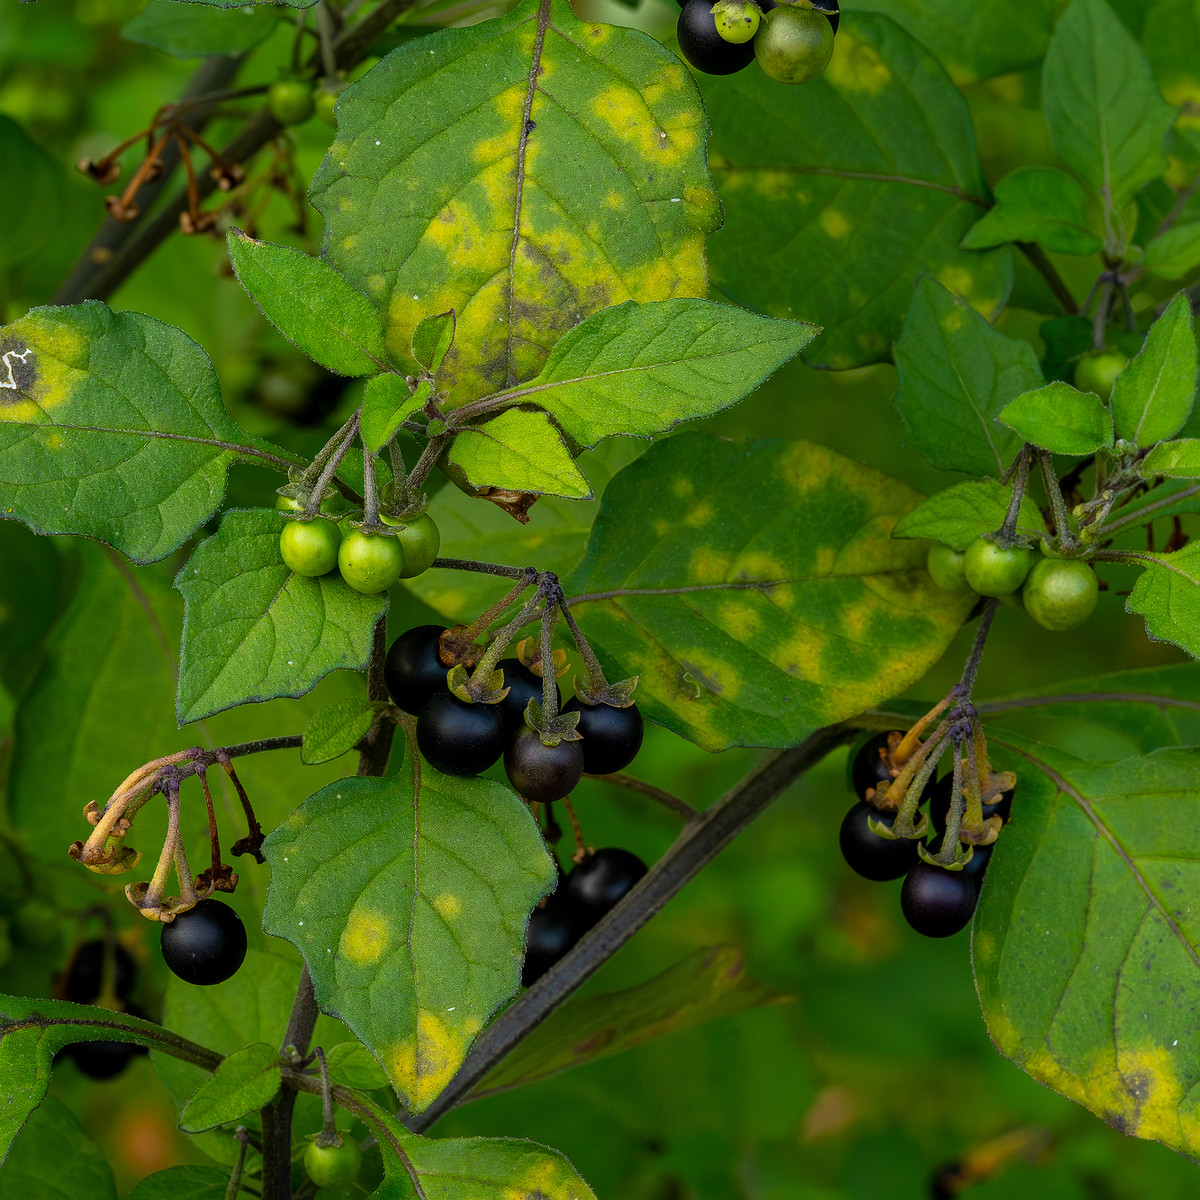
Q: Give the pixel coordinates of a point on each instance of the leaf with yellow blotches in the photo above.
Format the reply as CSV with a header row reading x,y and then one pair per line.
x,y
469,1168
112,426
1087,941
408,898
708,984
834,205
524,172
756,589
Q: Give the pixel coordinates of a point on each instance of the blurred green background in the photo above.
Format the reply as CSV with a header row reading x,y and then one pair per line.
x,y
879,1070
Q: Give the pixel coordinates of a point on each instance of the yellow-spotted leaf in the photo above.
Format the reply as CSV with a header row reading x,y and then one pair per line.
x,y
112,426
523,172
838,199
408,898
756,589
1086,941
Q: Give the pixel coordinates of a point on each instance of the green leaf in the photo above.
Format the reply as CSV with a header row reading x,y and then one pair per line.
x,y
176,1183
455,183
190,31
336,730
111,425
353,1065
432,339
1037,204
642,368
1174,254
710,983
1168,595
32,1031
956,374
408,898
1060,418
1175,460
1105,112
253,630
835,205
310,304
1153,395
1085,944
978,41
756,589
387,404
245,1081
960,514
519,450
29,213
251,1007
54,1159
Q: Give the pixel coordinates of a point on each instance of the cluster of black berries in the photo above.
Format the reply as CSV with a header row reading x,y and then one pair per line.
x,y
936,902
584,894
461,738
101,972
792,40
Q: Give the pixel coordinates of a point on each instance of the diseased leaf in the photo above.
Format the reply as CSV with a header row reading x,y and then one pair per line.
x,y
522,451
245,1081
708,984
387,404
1104,108
1175,460
956,374
1060,418
191,30
834,205
1168,595
1037,204
977,41
54,1159
642,368
111,425
337,729
524,172
408,898
1085,943
253,630
960,514
1152,397
756,590
310,304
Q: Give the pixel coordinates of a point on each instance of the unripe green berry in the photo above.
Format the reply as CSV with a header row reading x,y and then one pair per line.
x,y
947,568
994,571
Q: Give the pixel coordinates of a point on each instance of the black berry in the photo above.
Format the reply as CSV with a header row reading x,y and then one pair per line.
x,y
553,930
869,768
523,685
85,975
872,856
458,738
412,671
937,902
206,944
611,736
540,772
599,882
704,47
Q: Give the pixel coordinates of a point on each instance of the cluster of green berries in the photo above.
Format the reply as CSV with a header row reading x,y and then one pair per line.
x,y
369,562
461,738
1058,593
936,901
792,41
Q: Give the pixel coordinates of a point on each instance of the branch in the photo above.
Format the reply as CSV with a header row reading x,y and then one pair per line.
x,y
1046,269
701,840
115,253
